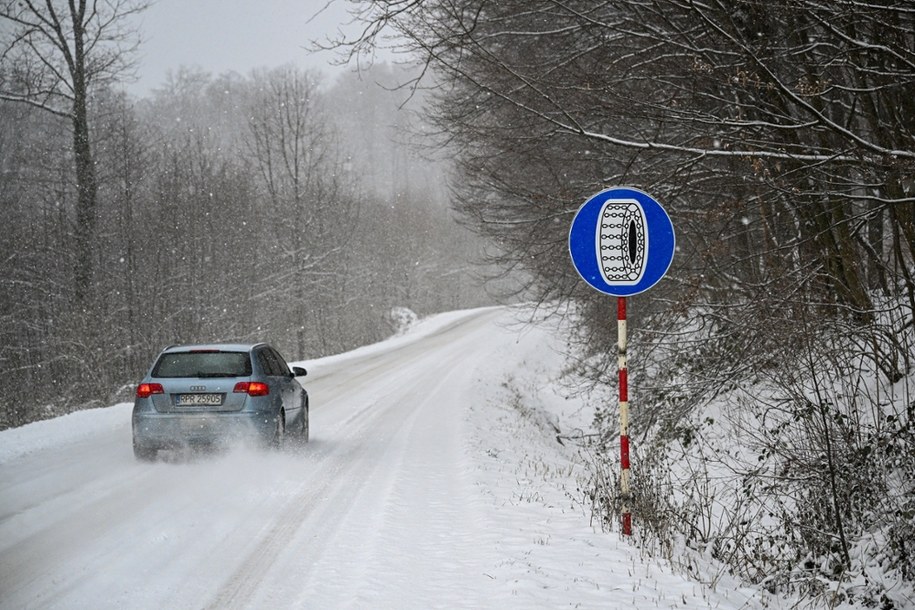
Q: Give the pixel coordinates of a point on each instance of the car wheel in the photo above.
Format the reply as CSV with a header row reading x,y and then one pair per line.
x,y
301,429
279,431
144,454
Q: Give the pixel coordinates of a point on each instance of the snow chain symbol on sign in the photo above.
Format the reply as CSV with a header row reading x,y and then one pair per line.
x,y
622,241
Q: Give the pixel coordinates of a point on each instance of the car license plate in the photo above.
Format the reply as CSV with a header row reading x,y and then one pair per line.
x,y
199,400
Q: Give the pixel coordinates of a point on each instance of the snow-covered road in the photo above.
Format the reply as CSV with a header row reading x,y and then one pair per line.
x,y
425,485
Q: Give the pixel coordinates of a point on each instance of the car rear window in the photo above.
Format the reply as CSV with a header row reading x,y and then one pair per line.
x,y
203,364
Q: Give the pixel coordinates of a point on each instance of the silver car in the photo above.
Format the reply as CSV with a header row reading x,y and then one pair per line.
x,y
210,395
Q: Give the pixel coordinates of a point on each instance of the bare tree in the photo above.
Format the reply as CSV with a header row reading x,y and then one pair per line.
x,y
311,212
52,57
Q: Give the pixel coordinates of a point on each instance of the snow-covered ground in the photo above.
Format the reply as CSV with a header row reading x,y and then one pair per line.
x,y
433,480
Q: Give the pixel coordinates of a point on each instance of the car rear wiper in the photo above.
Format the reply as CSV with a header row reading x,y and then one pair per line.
x,y
207,375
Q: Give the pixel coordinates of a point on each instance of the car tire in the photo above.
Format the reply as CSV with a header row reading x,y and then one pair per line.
x,y
300,436
279,432
144,454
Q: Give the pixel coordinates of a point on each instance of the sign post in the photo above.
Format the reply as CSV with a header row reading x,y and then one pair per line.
x,y
622,243
624,413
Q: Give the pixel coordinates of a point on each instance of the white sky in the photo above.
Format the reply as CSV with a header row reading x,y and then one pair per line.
x,y
223,35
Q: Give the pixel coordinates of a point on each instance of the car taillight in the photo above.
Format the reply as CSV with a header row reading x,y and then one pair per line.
x,y
252,388
145,390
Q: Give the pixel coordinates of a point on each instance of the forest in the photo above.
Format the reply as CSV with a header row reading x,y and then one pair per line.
x,y
275,206
780,136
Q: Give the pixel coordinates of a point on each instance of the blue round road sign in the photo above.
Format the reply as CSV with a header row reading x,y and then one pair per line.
x,y
621,241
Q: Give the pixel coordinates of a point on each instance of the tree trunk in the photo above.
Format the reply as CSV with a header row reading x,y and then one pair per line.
x,y
87,187
87,190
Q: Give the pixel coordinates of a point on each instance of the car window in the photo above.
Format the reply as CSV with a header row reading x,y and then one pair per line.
x,y
203,364
270,363
264,362
281,367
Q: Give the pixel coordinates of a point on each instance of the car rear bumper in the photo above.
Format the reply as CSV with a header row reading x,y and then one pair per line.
x,y
176,430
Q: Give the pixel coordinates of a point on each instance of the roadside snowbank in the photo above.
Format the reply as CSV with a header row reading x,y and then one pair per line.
x,y
40,435
534,484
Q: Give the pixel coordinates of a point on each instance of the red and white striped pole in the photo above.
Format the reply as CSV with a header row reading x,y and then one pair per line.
x,y
624,415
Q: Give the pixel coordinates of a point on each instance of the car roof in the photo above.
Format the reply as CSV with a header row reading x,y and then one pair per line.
x,y
224,347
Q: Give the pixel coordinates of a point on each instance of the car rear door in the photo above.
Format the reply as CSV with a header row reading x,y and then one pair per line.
x,y
291,401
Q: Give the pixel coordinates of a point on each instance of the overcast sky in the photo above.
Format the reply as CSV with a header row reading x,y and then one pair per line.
x,y
223,35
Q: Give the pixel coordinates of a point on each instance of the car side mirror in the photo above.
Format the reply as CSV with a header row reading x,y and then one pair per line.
x,y
298,371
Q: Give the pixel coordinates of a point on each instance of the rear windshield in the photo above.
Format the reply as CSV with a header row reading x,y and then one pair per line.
x,y
203,364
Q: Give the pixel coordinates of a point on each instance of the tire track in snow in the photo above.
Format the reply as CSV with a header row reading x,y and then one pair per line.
x,y
342,474
370,428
